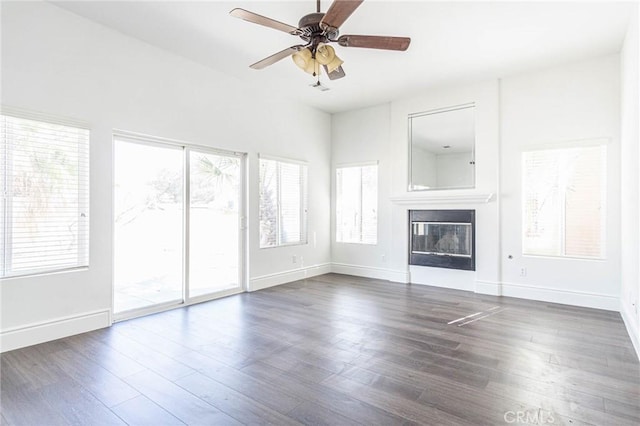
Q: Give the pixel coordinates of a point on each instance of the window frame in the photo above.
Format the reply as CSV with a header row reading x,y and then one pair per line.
x,y
304,201
359,165
83,148
602,143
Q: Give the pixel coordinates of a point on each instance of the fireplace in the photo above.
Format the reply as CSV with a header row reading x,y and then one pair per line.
x,y
442,238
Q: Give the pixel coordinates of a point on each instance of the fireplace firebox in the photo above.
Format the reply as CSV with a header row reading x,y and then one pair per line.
x,y
442,238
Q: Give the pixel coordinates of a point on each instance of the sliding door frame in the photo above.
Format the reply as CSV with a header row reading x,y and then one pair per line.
x,y
132,137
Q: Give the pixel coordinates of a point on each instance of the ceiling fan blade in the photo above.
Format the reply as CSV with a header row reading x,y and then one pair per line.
x,y
375,42
335,74
263,20
338,12
270,60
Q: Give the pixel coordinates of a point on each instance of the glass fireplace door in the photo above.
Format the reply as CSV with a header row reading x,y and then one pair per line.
x,y
441,238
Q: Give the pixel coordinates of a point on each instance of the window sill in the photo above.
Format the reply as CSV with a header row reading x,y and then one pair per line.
x,y
44,273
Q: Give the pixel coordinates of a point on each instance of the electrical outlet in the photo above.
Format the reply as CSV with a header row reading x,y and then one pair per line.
x,y
523,272
294,259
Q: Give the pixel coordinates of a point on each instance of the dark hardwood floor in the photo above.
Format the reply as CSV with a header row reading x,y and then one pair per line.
x,y
335,350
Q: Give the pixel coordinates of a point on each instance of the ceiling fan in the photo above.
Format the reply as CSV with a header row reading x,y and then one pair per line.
x,y
317,30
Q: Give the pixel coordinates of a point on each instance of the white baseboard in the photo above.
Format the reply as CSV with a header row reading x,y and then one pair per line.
x,y
489,287
270,280
632,327
32,334
548,294
371,272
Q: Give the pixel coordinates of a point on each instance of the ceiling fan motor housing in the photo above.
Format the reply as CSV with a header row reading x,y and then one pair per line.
x,y
310,29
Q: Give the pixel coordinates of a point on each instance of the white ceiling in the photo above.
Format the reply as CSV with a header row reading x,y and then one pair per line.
x,y
451,41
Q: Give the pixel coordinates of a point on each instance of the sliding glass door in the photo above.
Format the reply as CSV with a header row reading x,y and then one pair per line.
x,y
148,216
166,254
214,221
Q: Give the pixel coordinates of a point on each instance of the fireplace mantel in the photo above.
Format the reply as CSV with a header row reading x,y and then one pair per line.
x,y
421,198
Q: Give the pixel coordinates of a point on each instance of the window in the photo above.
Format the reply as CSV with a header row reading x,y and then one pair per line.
x,y
283,202
45,209
564,195
357,204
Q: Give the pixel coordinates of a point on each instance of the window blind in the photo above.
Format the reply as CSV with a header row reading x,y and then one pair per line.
x,y
357,204
44,169
283,203
564,208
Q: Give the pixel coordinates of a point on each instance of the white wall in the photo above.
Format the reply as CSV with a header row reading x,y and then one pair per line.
x,y
485,96
577,101
630,180
362,136
58,63
570,102
380,133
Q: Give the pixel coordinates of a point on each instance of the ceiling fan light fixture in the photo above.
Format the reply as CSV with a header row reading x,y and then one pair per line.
x,y
334,64
325,54
312,67
302,58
